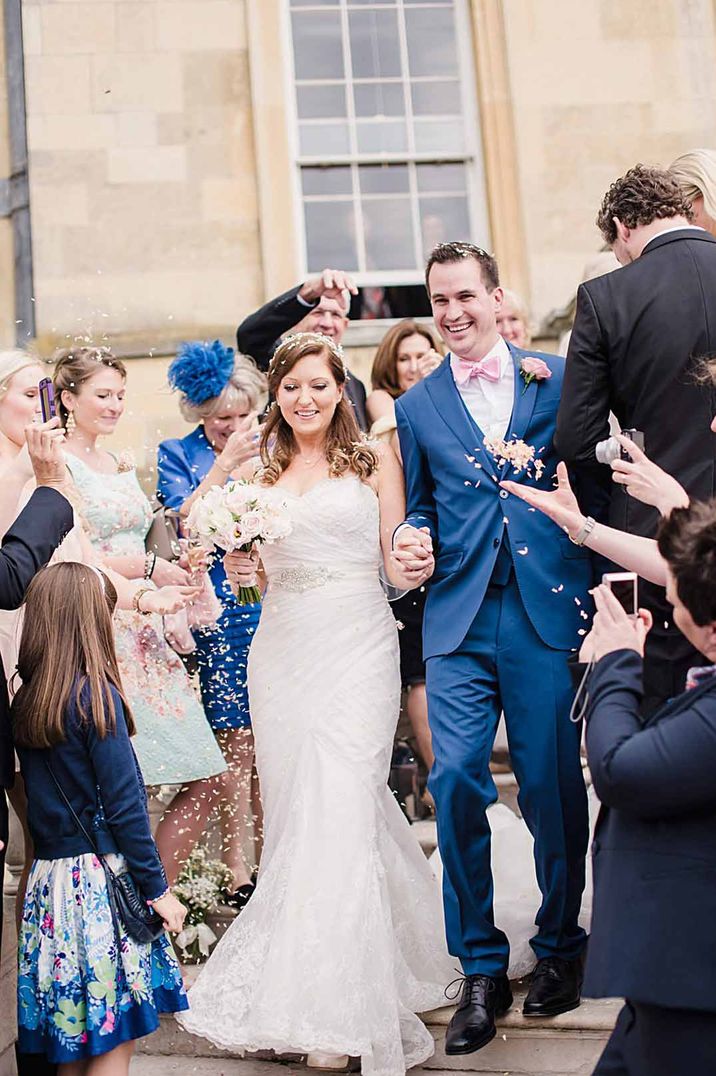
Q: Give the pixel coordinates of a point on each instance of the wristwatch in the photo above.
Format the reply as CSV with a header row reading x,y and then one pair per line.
x,y
584,531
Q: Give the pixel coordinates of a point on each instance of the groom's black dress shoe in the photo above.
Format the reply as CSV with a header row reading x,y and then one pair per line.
x,y
482,998
555,987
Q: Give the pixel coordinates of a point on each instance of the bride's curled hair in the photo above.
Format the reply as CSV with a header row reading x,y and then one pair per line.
x,y
346,447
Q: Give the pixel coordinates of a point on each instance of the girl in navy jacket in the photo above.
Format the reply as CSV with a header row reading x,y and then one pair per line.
x,y
84,987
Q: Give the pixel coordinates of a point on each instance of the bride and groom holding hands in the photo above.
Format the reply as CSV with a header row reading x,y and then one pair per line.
x,y
343,942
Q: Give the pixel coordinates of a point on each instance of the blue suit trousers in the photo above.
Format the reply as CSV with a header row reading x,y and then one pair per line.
x,y
503,665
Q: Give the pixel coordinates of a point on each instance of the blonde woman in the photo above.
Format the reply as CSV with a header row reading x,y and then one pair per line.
x,y
513,319
20,373
174,744
695,172
222,393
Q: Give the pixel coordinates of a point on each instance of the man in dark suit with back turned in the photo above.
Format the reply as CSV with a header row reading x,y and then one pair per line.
x,y
638,338
27,546
319,305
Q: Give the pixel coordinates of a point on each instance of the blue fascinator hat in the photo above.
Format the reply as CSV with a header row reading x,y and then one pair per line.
x,y
201,371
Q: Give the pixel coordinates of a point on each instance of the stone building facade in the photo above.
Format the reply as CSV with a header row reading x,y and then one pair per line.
x,y
163,163
164,195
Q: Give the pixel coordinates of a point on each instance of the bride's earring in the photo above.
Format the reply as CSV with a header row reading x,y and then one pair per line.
x,y
70,423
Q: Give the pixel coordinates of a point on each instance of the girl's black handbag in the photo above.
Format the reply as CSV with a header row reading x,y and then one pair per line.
x,y
131,914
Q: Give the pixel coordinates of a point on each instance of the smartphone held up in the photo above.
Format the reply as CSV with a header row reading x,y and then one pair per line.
x,y
623,586
47,399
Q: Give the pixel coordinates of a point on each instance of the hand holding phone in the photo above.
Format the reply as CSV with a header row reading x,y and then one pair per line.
x,y
623,586
47,399
615,627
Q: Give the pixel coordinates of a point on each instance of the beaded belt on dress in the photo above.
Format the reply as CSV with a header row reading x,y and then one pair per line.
x,y
304,577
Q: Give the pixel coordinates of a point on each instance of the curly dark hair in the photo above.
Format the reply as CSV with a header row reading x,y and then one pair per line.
x,y
640,197
687,542
445,253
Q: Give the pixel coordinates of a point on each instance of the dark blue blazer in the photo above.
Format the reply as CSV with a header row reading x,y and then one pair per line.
x,y
653,934
103,782
452,487
27,546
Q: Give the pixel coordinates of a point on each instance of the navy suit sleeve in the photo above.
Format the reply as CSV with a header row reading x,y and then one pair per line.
x,y
662,770
31,541
257,334
124,801
419,495
175,481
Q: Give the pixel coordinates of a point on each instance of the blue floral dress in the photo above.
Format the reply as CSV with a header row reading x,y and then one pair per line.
x,y
222,650
82,990
174,743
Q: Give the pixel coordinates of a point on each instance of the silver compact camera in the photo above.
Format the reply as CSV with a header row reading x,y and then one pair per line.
x,y
610,450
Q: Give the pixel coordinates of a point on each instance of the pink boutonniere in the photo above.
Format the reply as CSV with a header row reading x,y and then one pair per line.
x,y
534,369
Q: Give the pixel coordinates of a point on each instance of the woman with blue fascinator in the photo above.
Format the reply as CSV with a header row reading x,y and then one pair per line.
x,y
223,393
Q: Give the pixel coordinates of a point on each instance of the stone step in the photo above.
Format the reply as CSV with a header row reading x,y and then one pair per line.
x,y
567,1045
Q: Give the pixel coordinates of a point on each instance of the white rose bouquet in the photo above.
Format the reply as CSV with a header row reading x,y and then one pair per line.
x,y
239,516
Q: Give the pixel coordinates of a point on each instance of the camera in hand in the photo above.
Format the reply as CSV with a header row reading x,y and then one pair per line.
x,y
624,588
610,450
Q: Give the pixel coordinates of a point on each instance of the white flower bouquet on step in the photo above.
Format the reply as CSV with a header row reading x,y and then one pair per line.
x,y
239,516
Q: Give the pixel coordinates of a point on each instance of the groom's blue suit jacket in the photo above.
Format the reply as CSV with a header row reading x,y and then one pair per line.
x,y
452,488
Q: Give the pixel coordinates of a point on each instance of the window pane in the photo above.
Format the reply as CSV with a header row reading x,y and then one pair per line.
x,y
443,220
388,233
324,139
379,99
372,3
326,181
439,136
315,102
330,235
384,179
375,50
379,136
431,42
436,98
317,44
441,177
314,3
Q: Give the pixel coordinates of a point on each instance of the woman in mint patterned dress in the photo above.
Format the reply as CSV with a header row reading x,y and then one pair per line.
x,y
85,988
174,743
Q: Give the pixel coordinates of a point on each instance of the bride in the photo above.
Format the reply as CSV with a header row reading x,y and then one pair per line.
x,y
342,942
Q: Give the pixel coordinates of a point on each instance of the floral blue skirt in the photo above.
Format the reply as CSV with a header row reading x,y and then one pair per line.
x,y
81,991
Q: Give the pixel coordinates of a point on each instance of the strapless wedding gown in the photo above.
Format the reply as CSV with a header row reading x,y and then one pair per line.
x,y
343,941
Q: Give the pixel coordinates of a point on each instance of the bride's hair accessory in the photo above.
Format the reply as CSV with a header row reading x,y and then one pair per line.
x,y
201,371
300,338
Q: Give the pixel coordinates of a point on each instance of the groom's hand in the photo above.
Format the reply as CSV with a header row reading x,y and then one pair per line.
x,y
412,548
413,552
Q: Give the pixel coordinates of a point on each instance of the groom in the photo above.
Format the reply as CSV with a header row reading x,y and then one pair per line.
x,y
507,600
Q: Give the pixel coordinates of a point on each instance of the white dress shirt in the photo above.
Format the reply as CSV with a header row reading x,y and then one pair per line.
x,y
675,228
490,402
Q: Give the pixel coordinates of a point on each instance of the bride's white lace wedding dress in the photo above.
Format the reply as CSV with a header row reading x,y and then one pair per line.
x,y
343,941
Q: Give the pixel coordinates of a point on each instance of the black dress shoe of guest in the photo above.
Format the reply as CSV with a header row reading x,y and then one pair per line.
x,y
482,998
240,897
555,987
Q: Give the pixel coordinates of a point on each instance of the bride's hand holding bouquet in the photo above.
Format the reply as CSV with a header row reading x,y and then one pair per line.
x,y
237,519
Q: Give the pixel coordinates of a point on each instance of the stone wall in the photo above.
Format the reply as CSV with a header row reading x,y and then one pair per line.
x,y
144,181
143,184
7,281
8,999
597,86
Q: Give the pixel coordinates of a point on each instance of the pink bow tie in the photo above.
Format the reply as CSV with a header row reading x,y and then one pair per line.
x,y
489,368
